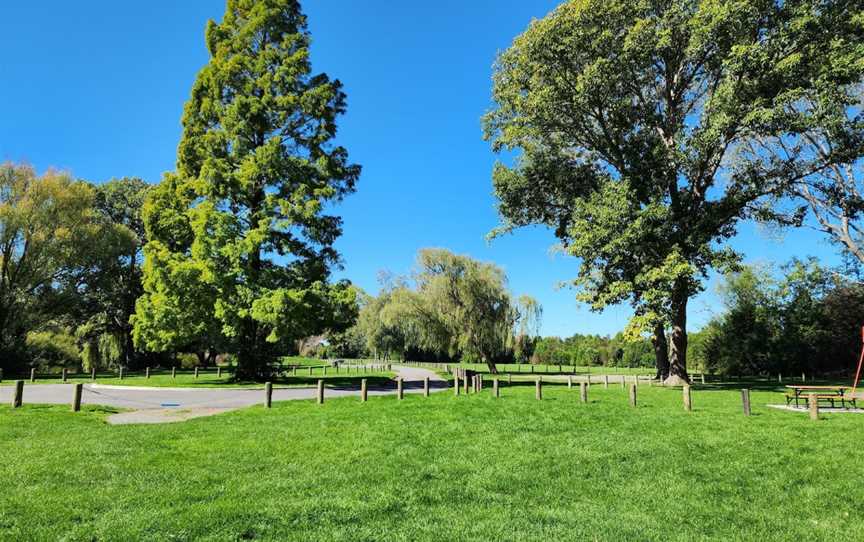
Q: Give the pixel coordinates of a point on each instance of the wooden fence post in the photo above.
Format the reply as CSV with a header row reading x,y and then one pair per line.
x,y
583,392
76,397
268,394
93,374
147,372
509,378
688,404
456,385
324,369
780,378
745,400
814,406
121,372
803,377
196,371
399,391
702,375
623,382
632,395
426,387
465,381
363,391
495,392
33,375
539,388
606,381
320,392
589,378
173,372
18,397
310,370
479,383
569,382
218,372
64,374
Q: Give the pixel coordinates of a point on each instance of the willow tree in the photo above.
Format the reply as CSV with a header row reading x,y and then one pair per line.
x,y
247,229
627,117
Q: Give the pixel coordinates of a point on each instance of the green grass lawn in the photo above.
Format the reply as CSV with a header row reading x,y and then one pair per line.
x,y
443,468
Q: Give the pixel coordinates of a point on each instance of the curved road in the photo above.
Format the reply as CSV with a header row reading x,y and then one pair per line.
x,y
155,405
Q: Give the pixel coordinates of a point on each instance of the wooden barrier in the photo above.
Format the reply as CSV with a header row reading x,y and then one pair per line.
x,y
702,376
320,392
426,387
400,392
18,395
606,381
814,406
64,374
364,395
93,374
268,394
147,373
33,375
121,372
76,397
570,382
173,372
745,400
465,381
495,392
196,372
632,395
539,388
218,372
456,385
688,400
509,379
583,392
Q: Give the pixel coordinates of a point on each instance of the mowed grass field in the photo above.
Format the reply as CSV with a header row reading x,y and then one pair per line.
x,y
440,468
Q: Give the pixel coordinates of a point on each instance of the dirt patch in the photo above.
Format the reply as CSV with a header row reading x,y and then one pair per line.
x,y
163,415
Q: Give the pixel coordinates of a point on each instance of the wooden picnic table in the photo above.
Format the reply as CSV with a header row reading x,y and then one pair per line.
x,y
830,394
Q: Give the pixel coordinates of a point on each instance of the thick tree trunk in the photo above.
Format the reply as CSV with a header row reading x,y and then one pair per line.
x,y
678,352
661,352
493,369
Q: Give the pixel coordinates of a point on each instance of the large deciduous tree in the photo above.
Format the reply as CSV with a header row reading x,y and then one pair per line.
x,y
245,241
53,241
628,117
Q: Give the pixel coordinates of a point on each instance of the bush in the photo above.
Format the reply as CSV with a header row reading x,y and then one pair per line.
x,y
52,350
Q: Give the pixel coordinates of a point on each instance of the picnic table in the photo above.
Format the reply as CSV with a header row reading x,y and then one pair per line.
x,y
828,394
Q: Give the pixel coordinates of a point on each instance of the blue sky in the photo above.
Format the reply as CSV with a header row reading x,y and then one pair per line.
x,y
97,88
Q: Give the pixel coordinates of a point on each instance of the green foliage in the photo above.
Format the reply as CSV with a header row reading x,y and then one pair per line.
x,y
594,350
49,349
54,245
807,321
626,116
240,246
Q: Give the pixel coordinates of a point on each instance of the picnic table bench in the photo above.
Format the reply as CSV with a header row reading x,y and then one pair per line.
x,y
826,394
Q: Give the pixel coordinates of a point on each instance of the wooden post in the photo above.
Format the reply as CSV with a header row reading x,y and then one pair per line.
x,y
539,388
324,369
479,383
456,385
780,378
364,392
495,392
18,397
569,382
399,391
426,387
121,372
803,377
465,381
633,395
745,400
814,407
173,372
196,371
702,375
268,394
218,372
583,392
147,372
320,392
76,397
606,381
310,370
33,375
93,374
623,382
509,378
64,374
688,404
589,379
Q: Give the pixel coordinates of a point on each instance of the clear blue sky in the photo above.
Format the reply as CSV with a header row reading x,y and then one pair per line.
x,y
97,88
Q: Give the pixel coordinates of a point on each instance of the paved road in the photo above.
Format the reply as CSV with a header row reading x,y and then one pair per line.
x,y
129,397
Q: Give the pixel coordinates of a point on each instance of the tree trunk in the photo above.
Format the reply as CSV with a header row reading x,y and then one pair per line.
x,y
661,352
201,359
678,352
493,369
